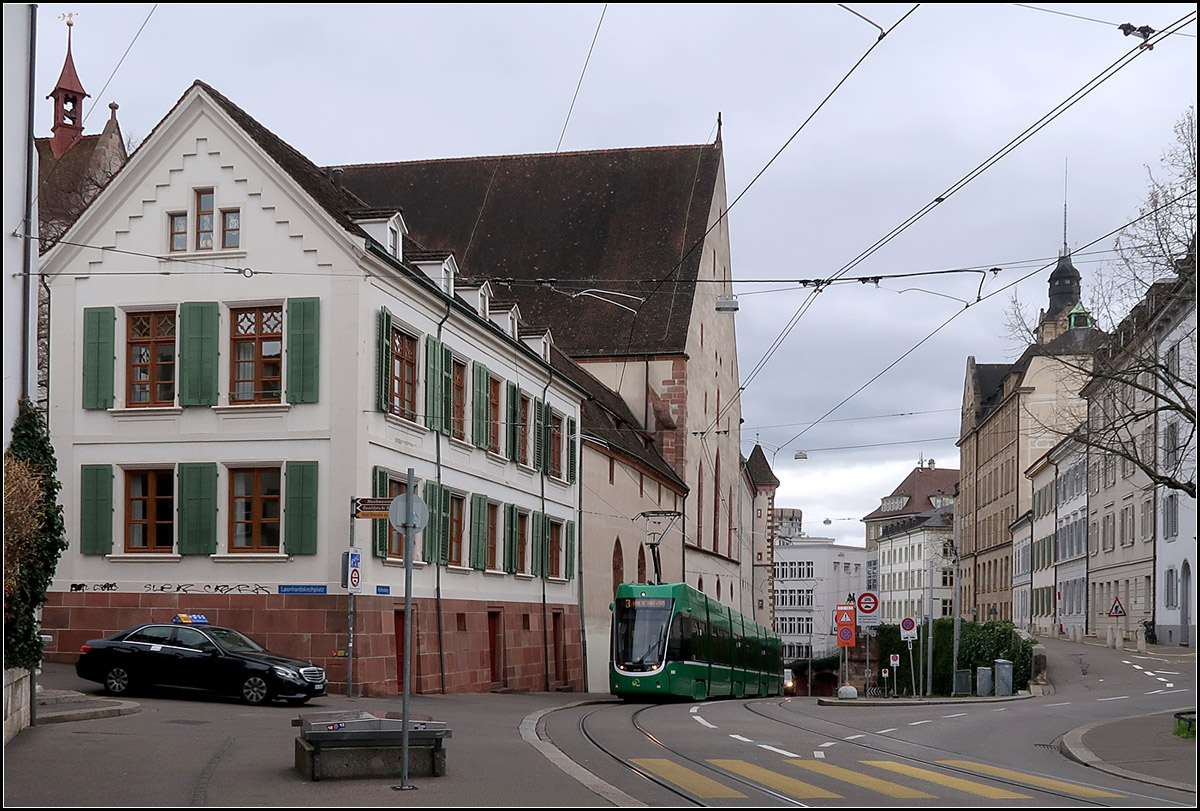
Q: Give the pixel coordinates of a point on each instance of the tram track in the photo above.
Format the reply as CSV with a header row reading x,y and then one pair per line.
x,y
664,784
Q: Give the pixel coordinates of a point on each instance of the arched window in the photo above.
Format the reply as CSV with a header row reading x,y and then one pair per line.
x,y
718,588
641,564
700,503
618,566
716,536
700,584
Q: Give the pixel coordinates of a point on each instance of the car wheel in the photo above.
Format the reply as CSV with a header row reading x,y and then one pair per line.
x,y
255,690
117,681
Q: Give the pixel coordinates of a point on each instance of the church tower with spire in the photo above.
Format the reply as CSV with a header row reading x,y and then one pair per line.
x,y
68,95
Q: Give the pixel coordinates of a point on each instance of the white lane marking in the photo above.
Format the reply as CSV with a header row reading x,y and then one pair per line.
x,y
740,738
702,721
1114,698
854,737
819,755
783,752
1160,678
1001,709
918,723
828,744
1059,704
694,709
885,731
1154,692
1181,690
955,715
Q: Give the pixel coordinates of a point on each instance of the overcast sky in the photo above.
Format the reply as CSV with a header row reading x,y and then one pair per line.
x,y
948,87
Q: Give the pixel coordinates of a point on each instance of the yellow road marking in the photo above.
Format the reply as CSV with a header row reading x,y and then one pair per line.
x,y
1044,782
874,783
947,780
788,785
687,779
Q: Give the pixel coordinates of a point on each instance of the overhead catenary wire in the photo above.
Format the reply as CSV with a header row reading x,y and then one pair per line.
x,y
1086,89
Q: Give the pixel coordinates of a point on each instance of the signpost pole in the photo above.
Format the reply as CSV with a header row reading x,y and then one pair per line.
x,y
912,675
408,569
350,617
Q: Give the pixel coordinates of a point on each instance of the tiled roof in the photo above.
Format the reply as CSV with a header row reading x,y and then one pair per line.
x,y
760,469
920,486
604,220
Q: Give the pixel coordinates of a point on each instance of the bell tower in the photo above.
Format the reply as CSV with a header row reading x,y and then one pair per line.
x,y
68,97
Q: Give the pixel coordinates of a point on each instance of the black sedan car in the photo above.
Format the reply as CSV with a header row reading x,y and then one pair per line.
x,y
197,656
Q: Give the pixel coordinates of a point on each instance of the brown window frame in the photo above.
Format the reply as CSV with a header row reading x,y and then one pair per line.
x,y
259,513
227,232
177,227
156,369
158,527
494,413
201,213
555,549
522,541
556,446
403,375
523,432
458,405
267,371
455,545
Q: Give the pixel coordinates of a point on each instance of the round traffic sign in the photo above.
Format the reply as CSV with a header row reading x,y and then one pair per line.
x,y
868,602
846,633
907,624
355,578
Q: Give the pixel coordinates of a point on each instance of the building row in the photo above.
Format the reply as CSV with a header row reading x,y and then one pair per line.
x,y
239,345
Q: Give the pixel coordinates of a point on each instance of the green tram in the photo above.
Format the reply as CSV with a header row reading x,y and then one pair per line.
x,y
671,640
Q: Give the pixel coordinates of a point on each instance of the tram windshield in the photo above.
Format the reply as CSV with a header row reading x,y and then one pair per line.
x,y
640,631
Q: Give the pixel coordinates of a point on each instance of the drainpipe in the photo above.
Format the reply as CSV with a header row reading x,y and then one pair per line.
x,y
27,276
437,568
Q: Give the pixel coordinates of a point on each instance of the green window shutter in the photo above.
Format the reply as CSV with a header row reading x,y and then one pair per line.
x,y
96,514
512,410
383,400
433,383
444,550
99,355
571,445
479,505
536,552
479,406
303,354
199,322
510,538
539,435
447,389
547,451
432,502
300,508
197,508
379,489
570,556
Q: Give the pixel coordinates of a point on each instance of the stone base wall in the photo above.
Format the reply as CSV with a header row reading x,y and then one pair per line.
x,y
454,656
17,710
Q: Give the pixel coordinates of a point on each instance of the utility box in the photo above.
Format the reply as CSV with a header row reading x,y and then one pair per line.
x,y
983,681
962,682
1004,682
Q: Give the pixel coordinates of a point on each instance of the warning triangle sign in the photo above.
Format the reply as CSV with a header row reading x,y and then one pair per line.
x,y
845,617
1117,609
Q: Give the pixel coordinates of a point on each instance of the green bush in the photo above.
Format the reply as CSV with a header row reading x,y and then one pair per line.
x,y
979,646
31,444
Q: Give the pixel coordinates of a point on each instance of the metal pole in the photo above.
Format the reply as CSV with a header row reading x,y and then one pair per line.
x,y
408,568
350,620
911,674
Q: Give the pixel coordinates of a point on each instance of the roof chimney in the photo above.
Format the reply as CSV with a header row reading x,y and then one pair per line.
x,y
335,174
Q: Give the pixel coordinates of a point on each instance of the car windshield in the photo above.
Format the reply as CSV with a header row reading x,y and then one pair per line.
x,y
233,641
